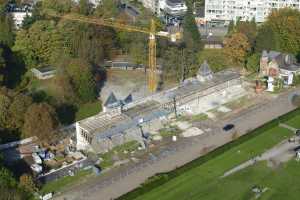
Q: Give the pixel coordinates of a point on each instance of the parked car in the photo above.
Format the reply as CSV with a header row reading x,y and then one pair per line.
x,y
228,127
36,158
36,168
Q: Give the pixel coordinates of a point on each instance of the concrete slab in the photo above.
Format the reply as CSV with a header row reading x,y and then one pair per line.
x,y
224,109
182,125
191,132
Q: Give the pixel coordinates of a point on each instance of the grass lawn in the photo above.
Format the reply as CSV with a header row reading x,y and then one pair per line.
x,y
294,122
169,131
194,184
87,110
61,183
282,183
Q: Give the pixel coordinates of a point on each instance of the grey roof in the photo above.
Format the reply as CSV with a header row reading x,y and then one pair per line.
x,y
111,100
284,61
273,54
128,99
204,69
121,127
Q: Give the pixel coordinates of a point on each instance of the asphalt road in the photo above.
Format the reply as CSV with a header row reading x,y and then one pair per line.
x,y
125,179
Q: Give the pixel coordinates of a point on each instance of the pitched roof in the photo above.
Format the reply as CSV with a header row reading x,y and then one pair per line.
x,y
111,99
128,99
204,69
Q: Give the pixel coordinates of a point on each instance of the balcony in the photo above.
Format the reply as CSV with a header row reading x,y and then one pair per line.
x,y
175,7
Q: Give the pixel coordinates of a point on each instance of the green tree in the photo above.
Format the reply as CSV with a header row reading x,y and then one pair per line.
x,y
80,73
285,23
18,109
5,102
2,66
107,9
253,62
61,6
266,39
40,121
191,33
84,7
249,29
40,44
88,42
9,188
216,58
172,65
231,28
6,27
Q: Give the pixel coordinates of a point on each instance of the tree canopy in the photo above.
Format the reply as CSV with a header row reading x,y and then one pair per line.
x,y
40,121
236,48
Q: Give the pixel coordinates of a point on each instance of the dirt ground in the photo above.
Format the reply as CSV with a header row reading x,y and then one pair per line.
x,y
125,82
122,83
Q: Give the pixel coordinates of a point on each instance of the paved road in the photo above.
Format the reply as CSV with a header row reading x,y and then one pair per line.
x,y
123,180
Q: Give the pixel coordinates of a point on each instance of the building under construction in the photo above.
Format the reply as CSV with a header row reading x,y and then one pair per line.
x,y
127,120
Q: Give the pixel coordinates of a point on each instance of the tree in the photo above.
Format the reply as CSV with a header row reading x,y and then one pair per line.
x,y
82,80
2,66
236,48
285,23
27,183
216,58
85,41
84,7
107,9
6,27
192,36
61,6
5,102
266,39
231,28
18,109
9,188
253,62
40,121
40,44
248,29
172,65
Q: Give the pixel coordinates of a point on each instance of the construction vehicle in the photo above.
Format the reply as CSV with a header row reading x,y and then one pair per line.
x,y
152,32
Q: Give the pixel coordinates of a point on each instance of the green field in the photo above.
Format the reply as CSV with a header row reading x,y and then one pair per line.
x,y
294,122
282,183
201,181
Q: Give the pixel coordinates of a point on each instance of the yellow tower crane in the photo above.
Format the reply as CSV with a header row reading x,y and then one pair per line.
x,y
152,32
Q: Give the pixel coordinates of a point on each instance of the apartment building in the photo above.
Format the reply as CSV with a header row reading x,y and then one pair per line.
x,y
173,8
227,10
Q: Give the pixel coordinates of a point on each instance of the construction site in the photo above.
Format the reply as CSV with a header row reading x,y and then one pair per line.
x,y
138,119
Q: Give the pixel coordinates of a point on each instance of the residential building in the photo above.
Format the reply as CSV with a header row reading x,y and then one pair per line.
x,y
19,13
43,73
173,8
95,3
227,10
279,65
